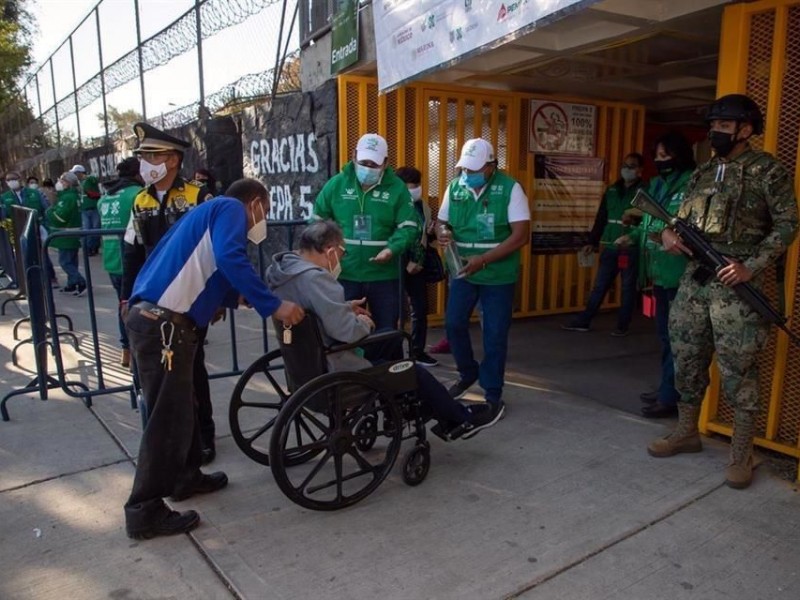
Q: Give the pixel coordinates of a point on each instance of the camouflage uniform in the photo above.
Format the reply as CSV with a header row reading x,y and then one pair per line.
x,y
747,209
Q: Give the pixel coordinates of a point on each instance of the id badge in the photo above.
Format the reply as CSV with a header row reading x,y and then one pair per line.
x,y
486,226
362,227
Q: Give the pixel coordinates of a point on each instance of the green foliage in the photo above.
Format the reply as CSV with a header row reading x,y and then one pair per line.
x,y
15,39
121,121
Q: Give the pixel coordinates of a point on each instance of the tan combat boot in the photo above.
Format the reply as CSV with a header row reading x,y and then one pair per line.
x,y
739,473
685,438
125,358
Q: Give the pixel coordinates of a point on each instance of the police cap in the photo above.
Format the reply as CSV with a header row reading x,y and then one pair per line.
x,y
155,140
737,107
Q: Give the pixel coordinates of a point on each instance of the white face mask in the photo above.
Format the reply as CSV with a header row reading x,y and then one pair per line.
x,y
258,232
337,270
151,173
13,184
33,186
59,186
416,193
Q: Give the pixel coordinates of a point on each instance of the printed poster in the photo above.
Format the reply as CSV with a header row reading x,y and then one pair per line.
x,y
562,128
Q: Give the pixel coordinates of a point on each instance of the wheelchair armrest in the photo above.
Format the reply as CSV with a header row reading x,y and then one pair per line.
x,y
373,338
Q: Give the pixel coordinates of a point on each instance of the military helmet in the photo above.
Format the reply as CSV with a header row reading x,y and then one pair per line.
x,y
737,107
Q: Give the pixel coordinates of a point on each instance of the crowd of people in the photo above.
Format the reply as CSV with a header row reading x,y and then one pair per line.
x,y
183,259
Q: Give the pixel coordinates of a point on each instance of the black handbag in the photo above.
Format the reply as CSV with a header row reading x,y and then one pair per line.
x,y
432,268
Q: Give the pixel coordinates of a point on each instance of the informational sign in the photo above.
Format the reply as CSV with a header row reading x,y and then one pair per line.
x,y
344,36
414,37
567,191
562,128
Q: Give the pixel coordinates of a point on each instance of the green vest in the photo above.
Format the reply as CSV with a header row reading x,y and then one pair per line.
x,y
65,214
89,185
618,200
115,213
30,199
470,218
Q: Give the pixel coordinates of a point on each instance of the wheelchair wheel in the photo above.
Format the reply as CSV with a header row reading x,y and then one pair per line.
x,y
336,407
255,403
367,433
417,463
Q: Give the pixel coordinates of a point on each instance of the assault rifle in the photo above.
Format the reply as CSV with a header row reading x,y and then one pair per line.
x,y
711,260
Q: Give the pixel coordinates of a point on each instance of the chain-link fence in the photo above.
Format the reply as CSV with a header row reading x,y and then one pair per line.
x,y
169,63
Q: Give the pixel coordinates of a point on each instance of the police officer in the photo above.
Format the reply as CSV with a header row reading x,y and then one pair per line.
x,y
374,209
488,219
743,202
165,198
200,265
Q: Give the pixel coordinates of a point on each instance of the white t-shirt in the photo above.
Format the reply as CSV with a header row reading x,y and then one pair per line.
x,y
518,209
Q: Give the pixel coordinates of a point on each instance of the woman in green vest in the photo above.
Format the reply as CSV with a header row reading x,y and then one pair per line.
x,y
65,214
659,269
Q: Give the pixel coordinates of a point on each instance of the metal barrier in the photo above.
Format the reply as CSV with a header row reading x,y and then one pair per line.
x,y
43,310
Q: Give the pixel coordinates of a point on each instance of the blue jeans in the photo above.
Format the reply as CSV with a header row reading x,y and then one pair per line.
x,y
667,394
606,273
116,281
68,261
497,304
90,219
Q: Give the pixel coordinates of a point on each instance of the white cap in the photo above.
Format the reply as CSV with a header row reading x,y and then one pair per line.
x,y
78,169
372,147
475,154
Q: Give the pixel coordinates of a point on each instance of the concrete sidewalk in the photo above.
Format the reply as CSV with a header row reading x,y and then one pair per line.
x,y
558,501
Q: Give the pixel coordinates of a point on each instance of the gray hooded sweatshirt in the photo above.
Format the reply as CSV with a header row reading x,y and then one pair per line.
x,y
314,288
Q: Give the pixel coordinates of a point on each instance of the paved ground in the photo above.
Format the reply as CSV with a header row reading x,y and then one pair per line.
x,y
558,501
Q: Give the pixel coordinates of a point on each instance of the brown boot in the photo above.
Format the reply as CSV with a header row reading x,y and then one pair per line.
x,y
685,438
739,473
125,358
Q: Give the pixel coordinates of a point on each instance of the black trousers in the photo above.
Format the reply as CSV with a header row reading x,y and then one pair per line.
x,y
202,392
170,450
417,290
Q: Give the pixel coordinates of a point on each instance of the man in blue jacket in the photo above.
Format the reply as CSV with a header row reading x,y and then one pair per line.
x,y
198,266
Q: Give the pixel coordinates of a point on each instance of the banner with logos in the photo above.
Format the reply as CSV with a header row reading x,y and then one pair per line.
x,y
414,37
562,128
567,191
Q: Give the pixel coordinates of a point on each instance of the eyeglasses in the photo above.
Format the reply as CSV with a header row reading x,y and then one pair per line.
x,y
150,156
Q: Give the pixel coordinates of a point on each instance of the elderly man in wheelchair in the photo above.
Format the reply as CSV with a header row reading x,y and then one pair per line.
x,y
343,415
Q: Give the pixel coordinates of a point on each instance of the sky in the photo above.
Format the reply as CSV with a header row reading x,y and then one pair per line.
x,y
239,50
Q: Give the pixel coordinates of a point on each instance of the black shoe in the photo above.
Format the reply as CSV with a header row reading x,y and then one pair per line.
x,y
207,484
209,454
425,359
69,289
81,287
649,397
619,332
659,411
483,416
174,522
573,326
460,387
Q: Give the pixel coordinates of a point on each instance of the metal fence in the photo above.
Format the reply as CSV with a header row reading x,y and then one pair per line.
x,y
170,63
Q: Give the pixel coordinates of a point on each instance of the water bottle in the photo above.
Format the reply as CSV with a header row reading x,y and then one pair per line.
x,y
452,257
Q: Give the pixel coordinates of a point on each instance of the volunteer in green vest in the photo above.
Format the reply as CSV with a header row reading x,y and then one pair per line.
x,y
90,218
373,207
115,212
19,195
485,213
608,228
675,163
63,215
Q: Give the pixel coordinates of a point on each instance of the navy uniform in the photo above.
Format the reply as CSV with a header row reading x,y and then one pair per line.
x,y
152,216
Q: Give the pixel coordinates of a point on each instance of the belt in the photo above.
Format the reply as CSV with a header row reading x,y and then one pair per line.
x,y
155,312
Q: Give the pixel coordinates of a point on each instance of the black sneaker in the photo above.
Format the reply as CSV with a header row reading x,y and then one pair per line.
x,y
69,289
483,416
573,326
460,387
619,332
79,289
207,484
425,359
174,522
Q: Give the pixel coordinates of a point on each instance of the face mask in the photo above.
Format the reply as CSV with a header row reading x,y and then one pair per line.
x,y
416,193
258,232
151,173
367,175
628,175
13,184
665,167
337,270
59,186
472,180
33,186
722,142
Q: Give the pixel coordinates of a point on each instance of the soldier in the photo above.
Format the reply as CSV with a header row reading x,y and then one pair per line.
x,y
742,201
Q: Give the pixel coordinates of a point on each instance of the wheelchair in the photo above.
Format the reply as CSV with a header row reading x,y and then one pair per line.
x,y
333,437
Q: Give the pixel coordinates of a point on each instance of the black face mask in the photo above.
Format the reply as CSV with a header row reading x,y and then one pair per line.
x,y
665,167
722,143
